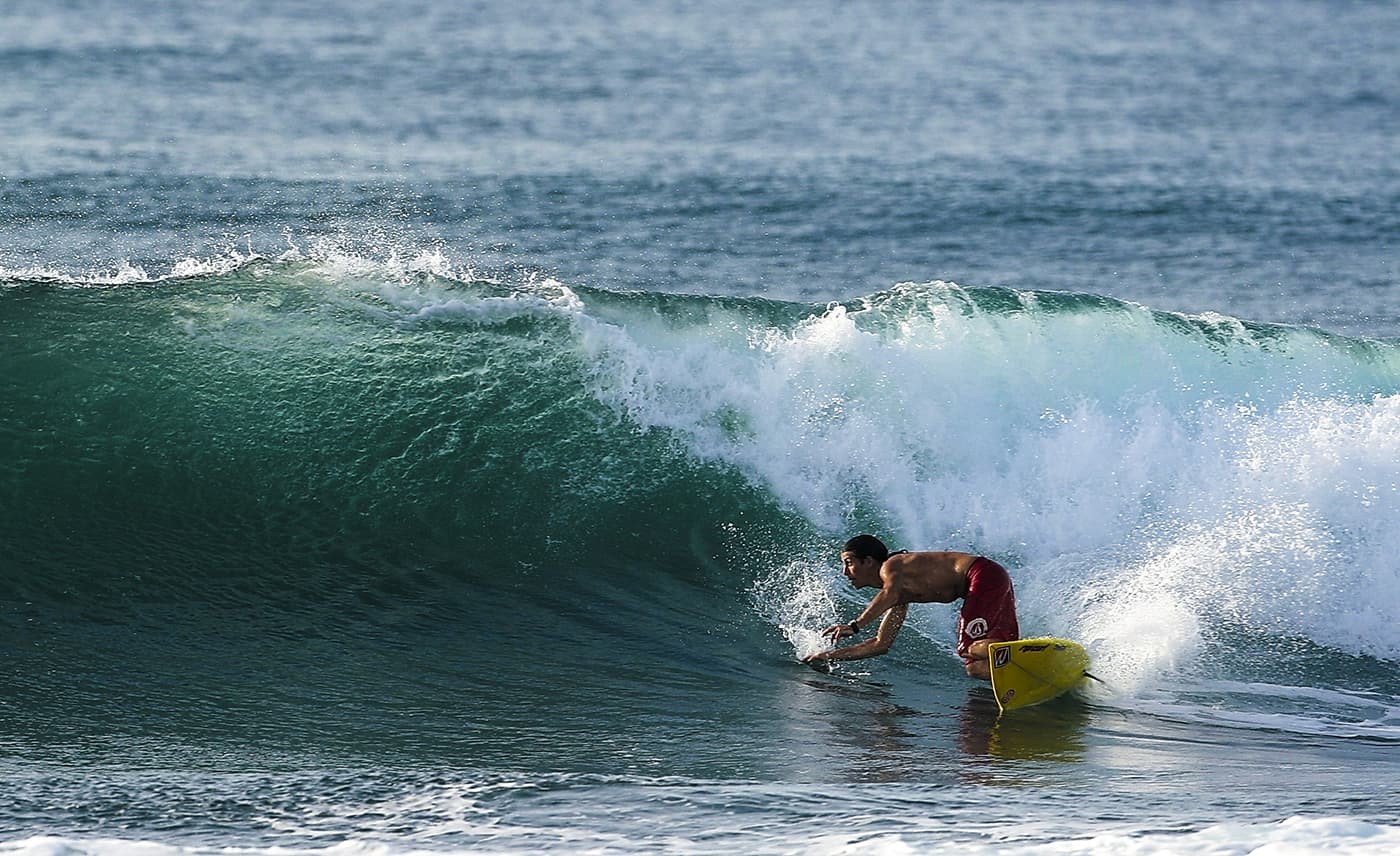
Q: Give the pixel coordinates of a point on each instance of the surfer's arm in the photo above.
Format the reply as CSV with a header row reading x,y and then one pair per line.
x,y
884,638
882,603
878,605
888,597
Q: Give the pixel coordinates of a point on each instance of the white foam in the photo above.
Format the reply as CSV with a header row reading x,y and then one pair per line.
x,y
335,259
1294,835
124,273
59,846
1146,476
417,305
330,257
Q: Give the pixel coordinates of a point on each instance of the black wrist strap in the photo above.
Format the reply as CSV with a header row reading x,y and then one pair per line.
x,y
855,628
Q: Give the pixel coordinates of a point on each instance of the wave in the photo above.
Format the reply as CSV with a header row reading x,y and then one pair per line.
x,y
346,440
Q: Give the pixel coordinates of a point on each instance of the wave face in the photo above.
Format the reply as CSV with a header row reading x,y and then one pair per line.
x,y
306,486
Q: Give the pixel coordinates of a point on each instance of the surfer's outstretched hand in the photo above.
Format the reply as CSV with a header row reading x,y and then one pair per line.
x,y
837,632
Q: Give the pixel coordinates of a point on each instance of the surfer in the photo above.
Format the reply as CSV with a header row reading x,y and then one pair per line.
x,y
988,612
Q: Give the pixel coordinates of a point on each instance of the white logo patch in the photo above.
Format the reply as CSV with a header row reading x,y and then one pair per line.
x,y
977,628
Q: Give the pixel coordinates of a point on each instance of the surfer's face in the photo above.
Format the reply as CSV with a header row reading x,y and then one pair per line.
x,y
855,568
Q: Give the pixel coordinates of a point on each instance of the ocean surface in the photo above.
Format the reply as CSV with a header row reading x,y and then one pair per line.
x,y
429,427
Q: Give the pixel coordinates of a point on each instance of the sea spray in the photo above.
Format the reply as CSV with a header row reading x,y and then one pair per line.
x,y
1202,466
798,598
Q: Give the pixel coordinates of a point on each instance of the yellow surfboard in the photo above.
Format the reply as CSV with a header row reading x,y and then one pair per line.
x,y
1030,671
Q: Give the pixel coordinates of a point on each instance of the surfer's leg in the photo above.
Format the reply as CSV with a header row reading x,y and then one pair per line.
x,y
976,660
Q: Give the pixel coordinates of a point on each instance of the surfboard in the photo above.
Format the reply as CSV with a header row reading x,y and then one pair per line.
x,y
1031,671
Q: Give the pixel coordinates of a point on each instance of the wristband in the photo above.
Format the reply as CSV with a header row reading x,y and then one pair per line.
x,y
855,628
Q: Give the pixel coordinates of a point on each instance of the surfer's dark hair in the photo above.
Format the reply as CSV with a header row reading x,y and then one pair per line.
x,y
867,547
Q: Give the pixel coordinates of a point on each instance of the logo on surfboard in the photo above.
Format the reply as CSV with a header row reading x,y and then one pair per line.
x,y
1002,657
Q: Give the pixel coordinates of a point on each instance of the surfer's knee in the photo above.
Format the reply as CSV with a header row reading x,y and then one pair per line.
x,y
977,650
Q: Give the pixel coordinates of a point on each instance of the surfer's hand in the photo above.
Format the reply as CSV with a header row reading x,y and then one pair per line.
x,y
818,661
837,632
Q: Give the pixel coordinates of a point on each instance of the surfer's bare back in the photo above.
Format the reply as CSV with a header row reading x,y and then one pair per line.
x,y
989,604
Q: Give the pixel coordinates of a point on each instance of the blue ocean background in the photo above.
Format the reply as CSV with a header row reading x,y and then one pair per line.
x,y
430,427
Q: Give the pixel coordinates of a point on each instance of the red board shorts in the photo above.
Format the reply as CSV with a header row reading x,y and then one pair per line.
x,y
989,609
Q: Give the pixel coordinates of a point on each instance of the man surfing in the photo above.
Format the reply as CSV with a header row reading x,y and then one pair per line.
x,y
988,612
